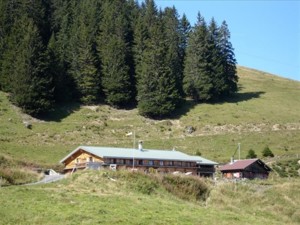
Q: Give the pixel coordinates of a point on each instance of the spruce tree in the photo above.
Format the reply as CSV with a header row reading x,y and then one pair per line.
x,y
197,69
184,32
62,20
251,154
62,91
173,42
215,60
114,50
80,53
31,85
228,61
157,92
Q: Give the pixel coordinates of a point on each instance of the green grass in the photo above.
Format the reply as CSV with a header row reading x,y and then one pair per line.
x,y
287,167
265,112
92,198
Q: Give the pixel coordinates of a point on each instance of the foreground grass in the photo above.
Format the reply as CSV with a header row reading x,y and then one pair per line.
x,y
94,198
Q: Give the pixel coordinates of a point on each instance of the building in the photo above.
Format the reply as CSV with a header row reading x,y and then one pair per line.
x,y
249,168
142,159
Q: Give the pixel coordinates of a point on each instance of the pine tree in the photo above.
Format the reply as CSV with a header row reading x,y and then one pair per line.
x,y
228,61
157,93
31,86
266,152
184,32
251,154
80,52
216,66
62,91
113,48
62,12
9,13
197,68
173,42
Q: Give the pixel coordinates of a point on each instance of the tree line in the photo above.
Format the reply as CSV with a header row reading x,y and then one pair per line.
x,y
119,52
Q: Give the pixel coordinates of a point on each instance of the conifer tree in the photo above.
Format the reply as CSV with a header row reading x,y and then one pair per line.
x,y
80,52
114,50
215,62
173,42
228,61
61,91
184,32
157,93
197,69
31,85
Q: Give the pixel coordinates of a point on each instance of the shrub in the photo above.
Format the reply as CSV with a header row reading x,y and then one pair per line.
x,y
198,153
251,154
187,188
267,152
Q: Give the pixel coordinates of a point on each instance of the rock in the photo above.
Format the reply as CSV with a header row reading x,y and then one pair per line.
x,y
190,129
27,124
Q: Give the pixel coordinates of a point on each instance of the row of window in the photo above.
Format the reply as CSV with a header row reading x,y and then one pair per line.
x,y
138,162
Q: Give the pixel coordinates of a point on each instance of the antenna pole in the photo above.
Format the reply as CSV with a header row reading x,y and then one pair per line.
x,y
133,149
239,144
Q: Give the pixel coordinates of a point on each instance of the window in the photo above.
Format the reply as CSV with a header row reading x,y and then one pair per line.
x,y
156,163
77,160
150,162
91,159
161,163
120,161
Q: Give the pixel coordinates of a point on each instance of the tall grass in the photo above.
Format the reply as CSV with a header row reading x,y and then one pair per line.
x,y
13,172
106,197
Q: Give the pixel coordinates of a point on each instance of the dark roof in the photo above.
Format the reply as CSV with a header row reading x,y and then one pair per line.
x,y
243,164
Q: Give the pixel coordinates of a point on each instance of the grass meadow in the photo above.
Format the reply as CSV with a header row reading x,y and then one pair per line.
x,y
265,112
94,198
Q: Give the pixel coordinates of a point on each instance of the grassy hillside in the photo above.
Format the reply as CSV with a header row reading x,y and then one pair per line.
x,y
264,112
94,197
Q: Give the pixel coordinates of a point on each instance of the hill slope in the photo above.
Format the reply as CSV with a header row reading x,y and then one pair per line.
x,y
264,112
99,197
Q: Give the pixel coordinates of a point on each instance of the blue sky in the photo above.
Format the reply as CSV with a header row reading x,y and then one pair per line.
x,y
265,34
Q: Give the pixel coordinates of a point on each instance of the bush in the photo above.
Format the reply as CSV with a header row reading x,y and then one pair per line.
x,y
267,152
187,188
251,154
198,153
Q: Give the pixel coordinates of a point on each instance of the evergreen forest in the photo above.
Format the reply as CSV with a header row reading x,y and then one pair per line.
x,y
121,53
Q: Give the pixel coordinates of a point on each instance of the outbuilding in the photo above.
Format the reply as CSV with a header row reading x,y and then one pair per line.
x,y
249,168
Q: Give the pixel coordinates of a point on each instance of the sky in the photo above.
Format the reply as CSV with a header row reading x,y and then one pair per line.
x,y
264,34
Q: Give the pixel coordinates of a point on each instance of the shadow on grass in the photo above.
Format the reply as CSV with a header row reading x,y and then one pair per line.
x,y
240,97
184,107
60,112
189,104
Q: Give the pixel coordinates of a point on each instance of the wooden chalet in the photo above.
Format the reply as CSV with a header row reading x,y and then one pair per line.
x,y
142,159
249,168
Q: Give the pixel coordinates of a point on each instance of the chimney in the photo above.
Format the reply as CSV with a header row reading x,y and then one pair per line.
x,y
231,160
141,145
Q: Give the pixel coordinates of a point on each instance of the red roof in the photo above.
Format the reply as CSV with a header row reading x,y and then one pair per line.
x,y
238,165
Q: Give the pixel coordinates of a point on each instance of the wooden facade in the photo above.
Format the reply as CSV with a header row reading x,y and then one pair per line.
x,y
81,160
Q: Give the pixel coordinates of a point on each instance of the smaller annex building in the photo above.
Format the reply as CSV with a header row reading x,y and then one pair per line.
x,y
161,161
248,168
